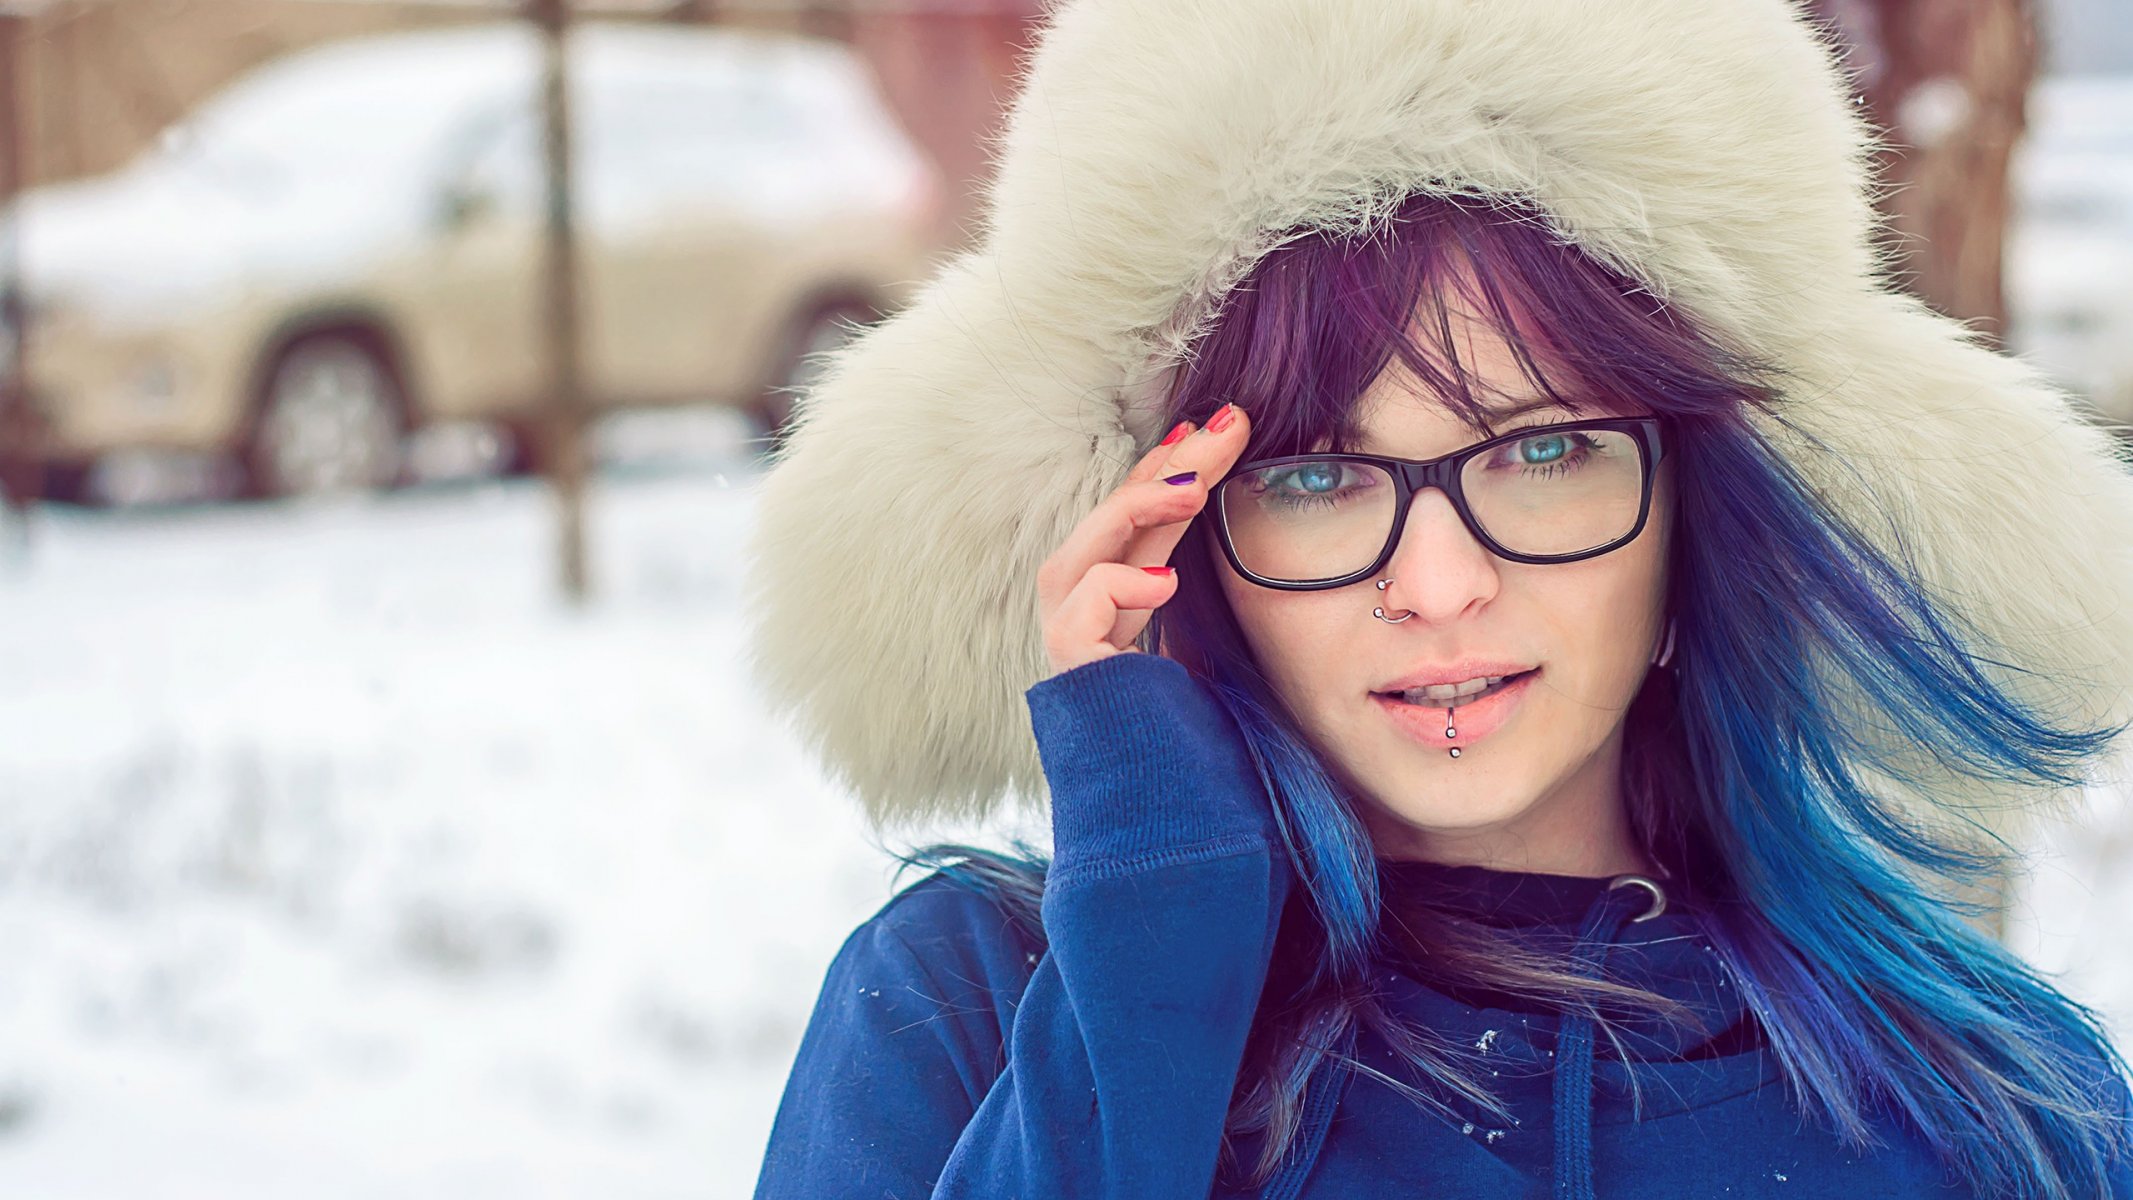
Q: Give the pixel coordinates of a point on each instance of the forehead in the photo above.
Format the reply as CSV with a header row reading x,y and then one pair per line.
x,y
1459,377
1403,415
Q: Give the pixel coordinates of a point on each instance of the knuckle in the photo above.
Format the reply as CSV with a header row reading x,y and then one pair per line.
x,y
1163,507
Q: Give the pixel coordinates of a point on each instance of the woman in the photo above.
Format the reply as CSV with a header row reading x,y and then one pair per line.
x,y
1529,725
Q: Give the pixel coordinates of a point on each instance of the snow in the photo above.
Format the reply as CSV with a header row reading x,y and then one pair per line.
x,y
339,859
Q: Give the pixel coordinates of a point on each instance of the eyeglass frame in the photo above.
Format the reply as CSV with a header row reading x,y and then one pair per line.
x,y
1412,476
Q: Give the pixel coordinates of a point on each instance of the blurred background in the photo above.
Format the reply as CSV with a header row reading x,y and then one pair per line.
x,y
383,387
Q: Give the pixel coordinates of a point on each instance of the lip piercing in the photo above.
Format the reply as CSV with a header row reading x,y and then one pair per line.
x,y
1448,730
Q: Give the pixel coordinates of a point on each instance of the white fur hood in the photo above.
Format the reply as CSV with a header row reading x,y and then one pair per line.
x,y
1708,149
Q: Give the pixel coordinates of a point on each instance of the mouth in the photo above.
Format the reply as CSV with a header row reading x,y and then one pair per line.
x,y
1458,695
1459,720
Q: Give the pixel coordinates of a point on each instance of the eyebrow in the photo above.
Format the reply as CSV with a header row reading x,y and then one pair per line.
x,y
1503,414
1497,416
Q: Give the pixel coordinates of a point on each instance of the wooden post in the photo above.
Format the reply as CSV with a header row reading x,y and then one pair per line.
x,y
1949,83
565,456
21,461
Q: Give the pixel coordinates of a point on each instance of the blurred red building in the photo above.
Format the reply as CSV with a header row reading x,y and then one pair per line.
x,y
949,66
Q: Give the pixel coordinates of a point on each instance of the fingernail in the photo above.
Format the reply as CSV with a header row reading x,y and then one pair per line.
x,y
1220,421
1182,428
1157,570
1184,477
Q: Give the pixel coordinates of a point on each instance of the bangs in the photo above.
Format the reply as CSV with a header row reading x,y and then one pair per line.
x,y
1305,334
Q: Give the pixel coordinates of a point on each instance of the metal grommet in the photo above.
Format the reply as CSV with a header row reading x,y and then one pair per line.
x,y
1652,886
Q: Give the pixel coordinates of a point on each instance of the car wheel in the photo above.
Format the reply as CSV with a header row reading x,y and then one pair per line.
x,y
824,330
330,420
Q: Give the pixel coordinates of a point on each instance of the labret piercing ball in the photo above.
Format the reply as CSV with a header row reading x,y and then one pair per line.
x,y
1448,730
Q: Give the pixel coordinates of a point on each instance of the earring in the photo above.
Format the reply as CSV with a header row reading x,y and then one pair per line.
x,y
1379,613
1666,649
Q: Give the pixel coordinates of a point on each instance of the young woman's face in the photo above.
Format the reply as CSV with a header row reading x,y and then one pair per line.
x,y
1540,790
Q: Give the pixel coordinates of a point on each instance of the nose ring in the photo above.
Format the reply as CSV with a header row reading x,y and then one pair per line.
x,y
1379,613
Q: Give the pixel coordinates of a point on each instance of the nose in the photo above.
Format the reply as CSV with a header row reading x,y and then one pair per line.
x,y
1439,570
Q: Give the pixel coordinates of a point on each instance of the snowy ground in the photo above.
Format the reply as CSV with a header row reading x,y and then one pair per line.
x,y
338,860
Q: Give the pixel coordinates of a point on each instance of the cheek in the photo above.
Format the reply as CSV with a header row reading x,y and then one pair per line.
x,y
1604,617
1294,635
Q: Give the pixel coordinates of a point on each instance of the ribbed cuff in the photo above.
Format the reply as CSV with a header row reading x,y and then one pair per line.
x,y
1144,765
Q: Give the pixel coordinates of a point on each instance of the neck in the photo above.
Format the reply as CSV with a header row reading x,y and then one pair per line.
x,y
1579,828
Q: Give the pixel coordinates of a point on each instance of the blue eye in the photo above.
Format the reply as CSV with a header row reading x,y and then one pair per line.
x,y
1536,451
1312,485
1316,477
1547,455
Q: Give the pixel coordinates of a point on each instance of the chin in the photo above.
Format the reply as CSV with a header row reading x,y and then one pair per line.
x,y
1461,814
1451,804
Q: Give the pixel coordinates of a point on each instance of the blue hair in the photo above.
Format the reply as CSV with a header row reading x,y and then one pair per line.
x,y
1748,768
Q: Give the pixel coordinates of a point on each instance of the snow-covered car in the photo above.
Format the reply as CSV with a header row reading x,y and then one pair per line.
x,y
2070,239
343,249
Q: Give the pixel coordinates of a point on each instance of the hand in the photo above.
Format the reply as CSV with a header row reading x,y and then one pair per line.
x,y
1094,592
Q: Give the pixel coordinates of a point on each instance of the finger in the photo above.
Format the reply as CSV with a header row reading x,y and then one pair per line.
x,y
1110,529
1158,454
1209,453
1141,523
1087,625
1123,526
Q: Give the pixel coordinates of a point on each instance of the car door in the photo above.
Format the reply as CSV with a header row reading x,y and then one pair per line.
x,y
671,241
471,300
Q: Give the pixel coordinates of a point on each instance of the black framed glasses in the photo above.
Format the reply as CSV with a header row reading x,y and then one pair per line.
x,y
1540,494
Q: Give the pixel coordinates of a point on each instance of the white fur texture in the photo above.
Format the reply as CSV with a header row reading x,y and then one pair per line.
x,y
1708,149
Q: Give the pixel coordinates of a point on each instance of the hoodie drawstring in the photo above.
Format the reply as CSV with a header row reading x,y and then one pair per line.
x,y
1616,907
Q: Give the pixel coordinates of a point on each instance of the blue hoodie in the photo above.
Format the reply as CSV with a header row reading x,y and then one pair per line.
x,y
953,1053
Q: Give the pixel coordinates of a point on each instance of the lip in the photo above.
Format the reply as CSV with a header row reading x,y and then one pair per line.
x,y
1458,672
1472,722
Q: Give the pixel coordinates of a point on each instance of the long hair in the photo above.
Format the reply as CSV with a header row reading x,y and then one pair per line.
x,y
1747,769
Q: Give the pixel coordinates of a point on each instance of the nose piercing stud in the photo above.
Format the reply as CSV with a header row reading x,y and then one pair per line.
x,y
1379,613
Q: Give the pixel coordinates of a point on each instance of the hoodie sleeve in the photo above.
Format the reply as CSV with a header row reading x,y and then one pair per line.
x,y
1160,911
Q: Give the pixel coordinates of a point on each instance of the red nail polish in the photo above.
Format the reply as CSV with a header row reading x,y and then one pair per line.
x,y
1176,433
1220,421
1157,570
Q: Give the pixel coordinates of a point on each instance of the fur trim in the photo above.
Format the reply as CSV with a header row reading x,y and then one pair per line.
x,y
1710,150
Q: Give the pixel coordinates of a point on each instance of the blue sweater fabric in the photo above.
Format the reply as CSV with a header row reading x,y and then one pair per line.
x,y
953,1053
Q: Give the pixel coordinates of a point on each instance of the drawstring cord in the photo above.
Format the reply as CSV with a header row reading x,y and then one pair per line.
x,y
1573,1051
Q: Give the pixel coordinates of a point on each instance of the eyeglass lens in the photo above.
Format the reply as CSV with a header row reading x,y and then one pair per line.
x,y
1559,492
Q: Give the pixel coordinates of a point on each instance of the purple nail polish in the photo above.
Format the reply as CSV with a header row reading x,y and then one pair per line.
x,y
1186,477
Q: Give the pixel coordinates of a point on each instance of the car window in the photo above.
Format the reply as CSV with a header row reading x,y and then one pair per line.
x,y
654,137
499,161
337,117
650,147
